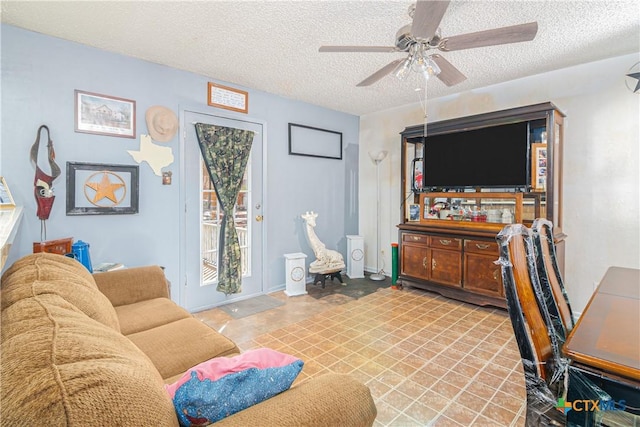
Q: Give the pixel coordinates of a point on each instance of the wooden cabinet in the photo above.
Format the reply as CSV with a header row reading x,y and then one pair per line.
x,y
446,260
482,274
415,261
453,266
432,258
450,246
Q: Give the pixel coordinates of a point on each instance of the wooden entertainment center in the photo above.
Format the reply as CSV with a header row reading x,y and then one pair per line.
x,y
448,236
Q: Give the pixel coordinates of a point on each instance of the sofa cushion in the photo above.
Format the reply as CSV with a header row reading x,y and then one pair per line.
x,y
166,344
130,285
45,273
60,367
149,314
325,400
222,386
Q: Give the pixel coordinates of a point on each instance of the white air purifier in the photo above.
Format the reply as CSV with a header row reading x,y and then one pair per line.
x,y
296,272
355,257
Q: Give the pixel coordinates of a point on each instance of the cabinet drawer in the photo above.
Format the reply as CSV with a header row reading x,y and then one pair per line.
x,y
486,247
445,243
415,238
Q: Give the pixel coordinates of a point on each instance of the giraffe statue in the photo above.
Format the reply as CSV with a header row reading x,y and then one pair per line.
x,y
328,262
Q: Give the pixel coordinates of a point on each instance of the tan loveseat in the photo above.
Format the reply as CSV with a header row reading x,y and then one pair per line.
x,y
96,350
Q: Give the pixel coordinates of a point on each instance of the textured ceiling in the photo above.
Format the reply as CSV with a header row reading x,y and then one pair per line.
x,y
273,45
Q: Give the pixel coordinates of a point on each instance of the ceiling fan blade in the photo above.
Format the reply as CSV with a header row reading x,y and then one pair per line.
x,y
380,73
504,35
358,49
449,74
427,17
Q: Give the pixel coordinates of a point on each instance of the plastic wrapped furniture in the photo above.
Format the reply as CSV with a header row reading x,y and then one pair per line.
x,y
549,378
556,298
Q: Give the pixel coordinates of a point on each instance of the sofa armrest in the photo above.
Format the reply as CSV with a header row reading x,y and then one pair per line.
x,y
131,285
327,400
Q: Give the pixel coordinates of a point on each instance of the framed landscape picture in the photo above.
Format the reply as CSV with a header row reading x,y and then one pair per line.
x,y
105,115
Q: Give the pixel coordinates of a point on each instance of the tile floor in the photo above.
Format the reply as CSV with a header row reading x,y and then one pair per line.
x,y
427,360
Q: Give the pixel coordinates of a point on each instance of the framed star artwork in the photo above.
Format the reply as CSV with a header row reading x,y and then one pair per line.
x,y
101,189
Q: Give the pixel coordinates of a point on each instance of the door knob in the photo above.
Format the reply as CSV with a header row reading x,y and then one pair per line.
x,y
259,218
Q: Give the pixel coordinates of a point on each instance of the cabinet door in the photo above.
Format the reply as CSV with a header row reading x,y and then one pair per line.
x,y
482,275
415,261
446,267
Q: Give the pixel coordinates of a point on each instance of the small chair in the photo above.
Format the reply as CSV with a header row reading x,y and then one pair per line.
x,y
556,298
549,378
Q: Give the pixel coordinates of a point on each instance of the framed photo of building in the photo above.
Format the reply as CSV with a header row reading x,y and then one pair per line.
x,y
105,115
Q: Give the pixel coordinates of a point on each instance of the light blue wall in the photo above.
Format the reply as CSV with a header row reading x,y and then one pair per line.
x,y
39,76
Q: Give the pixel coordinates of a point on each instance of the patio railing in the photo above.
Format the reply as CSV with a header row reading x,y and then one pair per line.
x,y
209,246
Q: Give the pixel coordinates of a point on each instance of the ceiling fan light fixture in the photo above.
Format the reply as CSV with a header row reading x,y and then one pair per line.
x,y
431,67
423,34
402,70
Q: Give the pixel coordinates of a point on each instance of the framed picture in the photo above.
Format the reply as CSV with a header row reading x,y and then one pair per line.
x,y
539,166
414,212
105,115
6,200
314,142
416,181
228,98
99,189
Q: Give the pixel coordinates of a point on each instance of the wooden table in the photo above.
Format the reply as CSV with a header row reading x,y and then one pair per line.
x,y
607,335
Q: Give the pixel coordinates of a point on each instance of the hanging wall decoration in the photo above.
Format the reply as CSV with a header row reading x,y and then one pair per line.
x,y
155,155
99,189
43,182
314,142
105,115
228,98
162,123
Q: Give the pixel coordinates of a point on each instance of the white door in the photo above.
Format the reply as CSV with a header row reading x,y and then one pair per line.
x,y
202,214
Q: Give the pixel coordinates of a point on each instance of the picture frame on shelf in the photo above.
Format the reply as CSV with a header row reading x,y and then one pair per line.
x,y
6,199
539,166
414,212
228,98
102,189
104,115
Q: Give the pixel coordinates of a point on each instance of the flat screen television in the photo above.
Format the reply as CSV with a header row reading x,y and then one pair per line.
x,y
496,157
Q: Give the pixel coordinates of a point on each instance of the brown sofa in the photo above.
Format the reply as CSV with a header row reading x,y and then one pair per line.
x,y
96,350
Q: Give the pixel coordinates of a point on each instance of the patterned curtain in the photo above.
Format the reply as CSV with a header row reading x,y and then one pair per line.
x,y
225,152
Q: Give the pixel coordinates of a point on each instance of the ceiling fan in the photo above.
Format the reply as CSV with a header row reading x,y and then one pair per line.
x,y
423,35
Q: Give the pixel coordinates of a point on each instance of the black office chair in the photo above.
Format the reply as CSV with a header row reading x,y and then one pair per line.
x,y
548,376
556,298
